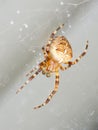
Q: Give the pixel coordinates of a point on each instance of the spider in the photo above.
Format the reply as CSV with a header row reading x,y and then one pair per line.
x,y
56,52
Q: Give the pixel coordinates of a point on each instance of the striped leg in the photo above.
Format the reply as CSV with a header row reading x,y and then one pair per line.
x,y
65,68
33,76
53,33
52,93
31,71
78,59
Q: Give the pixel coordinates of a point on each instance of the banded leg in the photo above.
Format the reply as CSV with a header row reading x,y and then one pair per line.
x,y
33,76
53,33
65,68
31,71
52,93
78,59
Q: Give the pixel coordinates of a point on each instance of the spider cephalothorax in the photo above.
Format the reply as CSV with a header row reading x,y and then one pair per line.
x,y
57,51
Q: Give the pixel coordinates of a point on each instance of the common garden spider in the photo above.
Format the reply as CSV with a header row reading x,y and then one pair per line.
x,y
57,51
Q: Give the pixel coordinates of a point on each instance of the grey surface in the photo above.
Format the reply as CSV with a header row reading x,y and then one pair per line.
x,y
24,27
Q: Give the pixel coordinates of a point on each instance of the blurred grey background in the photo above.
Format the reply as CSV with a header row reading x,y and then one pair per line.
x,y
25,27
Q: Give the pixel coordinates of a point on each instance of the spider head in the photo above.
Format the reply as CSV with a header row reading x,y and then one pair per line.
x,y
60,50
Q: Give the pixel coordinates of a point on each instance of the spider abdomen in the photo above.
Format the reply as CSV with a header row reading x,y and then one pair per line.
x,y
60,49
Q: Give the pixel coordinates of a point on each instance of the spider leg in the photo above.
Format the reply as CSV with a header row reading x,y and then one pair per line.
x,y
78,59
30,78
31,71
65,68
52,93
53,33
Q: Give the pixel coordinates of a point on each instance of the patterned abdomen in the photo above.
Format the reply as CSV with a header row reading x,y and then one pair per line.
x,y
60,49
